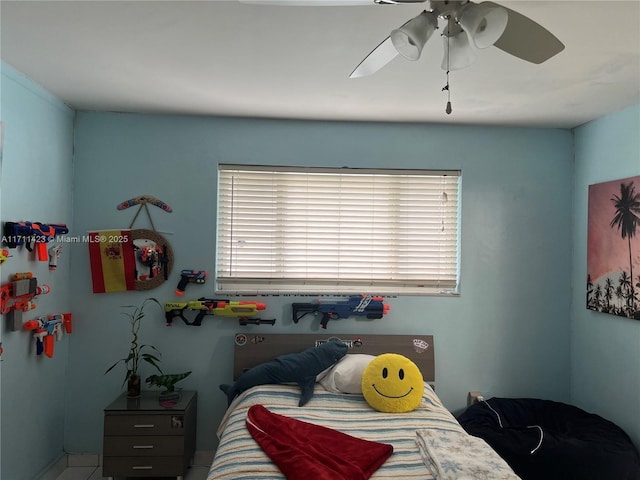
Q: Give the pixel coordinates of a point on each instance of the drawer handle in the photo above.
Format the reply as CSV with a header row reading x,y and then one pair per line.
x,y
144,425
142,467
142,446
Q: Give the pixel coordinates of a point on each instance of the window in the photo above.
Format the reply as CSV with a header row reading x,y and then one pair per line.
x,y
337,231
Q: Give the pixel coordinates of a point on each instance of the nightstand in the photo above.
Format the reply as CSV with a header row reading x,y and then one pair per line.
x,y
144,439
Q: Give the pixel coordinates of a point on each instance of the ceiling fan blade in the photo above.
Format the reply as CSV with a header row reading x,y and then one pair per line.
x,y
526,39
378,58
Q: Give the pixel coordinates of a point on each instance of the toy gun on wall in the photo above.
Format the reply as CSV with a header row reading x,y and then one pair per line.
x,y
357,305
54,255
32,233
45,328
16,297
190,276
244,311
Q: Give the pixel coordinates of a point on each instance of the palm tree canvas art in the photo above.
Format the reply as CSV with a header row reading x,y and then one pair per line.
x,y
613,248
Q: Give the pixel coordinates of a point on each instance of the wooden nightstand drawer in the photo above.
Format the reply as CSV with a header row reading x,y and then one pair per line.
x,y
143,446
172,424
143,466
143,438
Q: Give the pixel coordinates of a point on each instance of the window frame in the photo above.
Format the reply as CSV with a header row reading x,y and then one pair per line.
x,y
258,285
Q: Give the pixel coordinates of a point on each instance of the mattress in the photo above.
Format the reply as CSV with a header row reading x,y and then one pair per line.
x,y
240,457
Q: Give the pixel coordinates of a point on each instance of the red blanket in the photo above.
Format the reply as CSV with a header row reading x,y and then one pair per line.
x,y
306,451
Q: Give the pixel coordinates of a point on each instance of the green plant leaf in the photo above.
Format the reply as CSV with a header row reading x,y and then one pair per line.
x,y
152,360
149,346
112,366
150,356
136,353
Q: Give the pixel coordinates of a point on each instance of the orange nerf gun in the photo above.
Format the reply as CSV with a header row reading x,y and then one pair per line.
x,y
45,328
221,308
16,297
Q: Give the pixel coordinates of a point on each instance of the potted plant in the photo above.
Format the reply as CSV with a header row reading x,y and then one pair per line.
x,y
137,353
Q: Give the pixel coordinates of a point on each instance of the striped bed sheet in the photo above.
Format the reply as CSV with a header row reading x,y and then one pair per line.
x,y
239,457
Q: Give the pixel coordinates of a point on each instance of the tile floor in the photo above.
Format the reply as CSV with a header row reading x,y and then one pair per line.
x,y
88,467
95,473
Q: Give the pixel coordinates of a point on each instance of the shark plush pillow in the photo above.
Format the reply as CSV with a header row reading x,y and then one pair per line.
x,y
301,368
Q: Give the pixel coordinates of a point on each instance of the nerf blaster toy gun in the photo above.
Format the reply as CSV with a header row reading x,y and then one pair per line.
x,y
16,297
244,311
357,305
45,328
190,276
32,233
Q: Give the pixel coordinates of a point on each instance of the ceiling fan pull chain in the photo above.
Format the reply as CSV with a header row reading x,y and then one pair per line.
x,y
446,87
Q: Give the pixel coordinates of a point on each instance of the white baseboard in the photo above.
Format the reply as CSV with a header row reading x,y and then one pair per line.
x,y
84,460
56,469
202,458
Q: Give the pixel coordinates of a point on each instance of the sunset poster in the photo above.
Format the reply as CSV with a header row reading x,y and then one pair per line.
x,y
613,248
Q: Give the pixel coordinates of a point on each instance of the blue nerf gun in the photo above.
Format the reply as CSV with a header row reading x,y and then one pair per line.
x,y
33,233
357,305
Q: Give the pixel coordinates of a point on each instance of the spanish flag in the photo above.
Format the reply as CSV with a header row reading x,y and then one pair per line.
x,y
113,264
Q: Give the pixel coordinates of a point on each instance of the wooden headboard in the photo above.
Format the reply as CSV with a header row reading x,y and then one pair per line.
x,y
251,350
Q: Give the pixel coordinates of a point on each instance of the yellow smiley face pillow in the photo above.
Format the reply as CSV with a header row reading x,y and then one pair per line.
x,y
392,383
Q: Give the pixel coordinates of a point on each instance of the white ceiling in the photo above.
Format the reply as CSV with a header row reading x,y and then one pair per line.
x,y
233,59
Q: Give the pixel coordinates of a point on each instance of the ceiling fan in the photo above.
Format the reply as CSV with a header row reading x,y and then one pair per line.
x,y
468,27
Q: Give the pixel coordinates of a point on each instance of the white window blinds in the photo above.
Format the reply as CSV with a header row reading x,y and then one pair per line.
x,y
336,231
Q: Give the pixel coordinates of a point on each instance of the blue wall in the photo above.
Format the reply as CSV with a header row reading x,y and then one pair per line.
x,y
507,334
518,328
36,186
605,350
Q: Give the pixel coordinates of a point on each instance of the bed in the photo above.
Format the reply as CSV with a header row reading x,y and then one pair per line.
x,y
240,457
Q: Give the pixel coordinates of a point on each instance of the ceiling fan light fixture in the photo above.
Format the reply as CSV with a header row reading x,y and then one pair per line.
x,y
458,52
484,23
411,37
